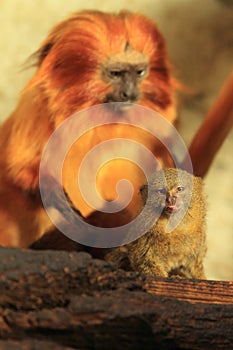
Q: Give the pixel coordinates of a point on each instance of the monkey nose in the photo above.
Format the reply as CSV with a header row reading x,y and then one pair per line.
x,y
127,96
123,95
171,200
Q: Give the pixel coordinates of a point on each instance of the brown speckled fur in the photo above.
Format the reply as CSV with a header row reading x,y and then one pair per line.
x,y
178,253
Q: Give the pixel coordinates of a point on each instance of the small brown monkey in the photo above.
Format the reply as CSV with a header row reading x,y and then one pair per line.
x,y
175,244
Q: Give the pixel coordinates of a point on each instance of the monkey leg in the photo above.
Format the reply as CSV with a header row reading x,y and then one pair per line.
x,y
150,268
128,257
196,269
147,262
119,258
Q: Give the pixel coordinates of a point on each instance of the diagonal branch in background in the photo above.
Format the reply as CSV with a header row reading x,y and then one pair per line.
x,y
213,131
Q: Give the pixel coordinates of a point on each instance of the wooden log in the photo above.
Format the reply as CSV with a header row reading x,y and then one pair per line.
x,y
193,291
75,302
32,344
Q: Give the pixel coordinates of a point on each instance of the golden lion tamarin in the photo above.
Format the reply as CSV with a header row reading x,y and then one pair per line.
x,y
89,59
163,252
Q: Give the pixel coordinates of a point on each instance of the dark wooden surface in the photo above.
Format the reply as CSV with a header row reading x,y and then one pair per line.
x,y
63,300
193,291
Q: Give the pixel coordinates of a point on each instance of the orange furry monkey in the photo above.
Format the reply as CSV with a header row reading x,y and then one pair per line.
x,y
89,59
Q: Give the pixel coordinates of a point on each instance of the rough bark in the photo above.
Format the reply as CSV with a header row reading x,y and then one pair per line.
x,y
65,300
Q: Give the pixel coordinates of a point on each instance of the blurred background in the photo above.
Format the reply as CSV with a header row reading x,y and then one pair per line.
x,y
199,37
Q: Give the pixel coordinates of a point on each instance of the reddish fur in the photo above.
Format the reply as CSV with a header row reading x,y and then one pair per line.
x,y
68,80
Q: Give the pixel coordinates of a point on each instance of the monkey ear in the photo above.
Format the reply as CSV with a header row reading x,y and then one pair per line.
x,y
43,52
144,193
38,57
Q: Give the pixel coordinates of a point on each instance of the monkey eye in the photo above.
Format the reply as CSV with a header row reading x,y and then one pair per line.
x,y
115,73
161,190
141,72
180,188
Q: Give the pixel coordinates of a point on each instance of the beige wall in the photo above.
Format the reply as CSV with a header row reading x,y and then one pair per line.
x,y
200,41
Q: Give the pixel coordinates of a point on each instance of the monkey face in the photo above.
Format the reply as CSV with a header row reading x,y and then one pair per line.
x,y
170,192
124,73
174,199
94,58
169,201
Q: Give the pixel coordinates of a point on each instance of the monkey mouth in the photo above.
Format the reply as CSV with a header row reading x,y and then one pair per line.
x,y
119,107
170,209
129,100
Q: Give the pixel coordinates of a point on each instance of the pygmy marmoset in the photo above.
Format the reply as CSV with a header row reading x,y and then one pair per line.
x,y
176,242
